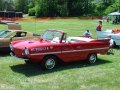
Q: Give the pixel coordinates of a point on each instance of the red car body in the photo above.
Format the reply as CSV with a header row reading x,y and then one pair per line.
x,y
59,46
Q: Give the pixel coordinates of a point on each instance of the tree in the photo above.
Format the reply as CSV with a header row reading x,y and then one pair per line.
x,y
7,5
62,7
53,8
22,5
89,7
41,8
1,5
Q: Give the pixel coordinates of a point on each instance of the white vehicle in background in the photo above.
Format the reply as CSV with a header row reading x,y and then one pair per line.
x,y
113,34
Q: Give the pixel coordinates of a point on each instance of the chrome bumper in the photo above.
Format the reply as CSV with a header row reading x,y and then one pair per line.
x,y
13,55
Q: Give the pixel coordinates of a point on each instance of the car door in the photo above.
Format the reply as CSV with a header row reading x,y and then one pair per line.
x,y
71,52
81,50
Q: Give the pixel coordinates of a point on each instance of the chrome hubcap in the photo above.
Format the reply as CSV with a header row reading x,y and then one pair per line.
x,y
92,58
50,63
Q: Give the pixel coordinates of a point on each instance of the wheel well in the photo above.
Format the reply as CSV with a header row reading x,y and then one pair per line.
x,y
114,42
49,55
58,59
92,53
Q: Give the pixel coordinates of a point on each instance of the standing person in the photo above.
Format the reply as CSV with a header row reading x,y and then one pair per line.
x,y
99,27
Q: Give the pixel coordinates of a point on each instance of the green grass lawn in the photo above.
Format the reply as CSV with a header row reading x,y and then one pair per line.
x,y
104,75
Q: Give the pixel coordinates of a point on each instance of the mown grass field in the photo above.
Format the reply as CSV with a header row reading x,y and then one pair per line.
x,y
104,75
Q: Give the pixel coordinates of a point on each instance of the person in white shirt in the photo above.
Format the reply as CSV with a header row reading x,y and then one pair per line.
x,y
87,33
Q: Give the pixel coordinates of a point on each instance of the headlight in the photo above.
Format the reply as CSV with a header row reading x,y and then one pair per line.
x,y
26,51
11,47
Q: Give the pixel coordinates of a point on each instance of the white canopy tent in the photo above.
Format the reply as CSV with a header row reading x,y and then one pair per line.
x,y
114,17
114,14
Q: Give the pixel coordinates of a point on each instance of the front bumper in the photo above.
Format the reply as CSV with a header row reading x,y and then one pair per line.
x,y
13,55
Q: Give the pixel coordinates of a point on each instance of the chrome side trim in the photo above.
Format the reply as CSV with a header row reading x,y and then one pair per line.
x,y
70,51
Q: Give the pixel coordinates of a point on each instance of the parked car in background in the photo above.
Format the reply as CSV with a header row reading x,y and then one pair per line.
x,y
55,46
6,36
113,34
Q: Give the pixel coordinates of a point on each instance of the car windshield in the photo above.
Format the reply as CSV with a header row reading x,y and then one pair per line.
x,y
52,35
4,33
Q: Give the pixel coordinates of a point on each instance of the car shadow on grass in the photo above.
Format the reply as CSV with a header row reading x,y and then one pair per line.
x,y
34,69
4,54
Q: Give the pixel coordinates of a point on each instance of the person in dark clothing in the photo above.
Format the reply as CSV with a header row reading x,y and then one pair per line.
x,y
99,27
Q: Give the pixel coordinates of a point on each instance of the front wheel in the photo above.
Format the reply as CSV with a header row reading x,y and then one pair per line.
x,y
92,58
48,63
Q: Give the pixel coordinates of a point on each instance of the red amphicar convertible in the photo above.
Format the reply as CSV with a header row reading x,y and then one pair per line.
x,y
54,46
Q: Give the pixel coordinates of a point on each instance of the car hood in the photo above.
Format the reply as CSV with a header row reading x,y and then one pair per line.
x,y
31,43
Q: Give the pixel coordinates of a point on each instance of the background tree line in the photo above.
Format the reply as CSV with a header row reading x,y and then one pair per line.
x,y
62,8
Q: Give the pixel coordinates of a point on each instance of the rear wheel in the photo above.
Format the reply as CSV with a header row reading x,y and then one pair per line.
x,y
92,58
114,44
49,62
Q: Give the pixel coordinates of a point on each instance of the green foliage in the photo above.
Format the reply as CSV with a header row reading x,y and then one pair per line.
x,y
51,8
76,8
7,5
41,8
21,5
31,12
1,5
31,4
110,9
32,9
100,9
107,6
64,8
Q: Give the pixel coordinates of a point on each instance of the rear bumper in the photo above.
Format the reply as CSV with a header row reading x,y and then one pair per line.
x,y
13,55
